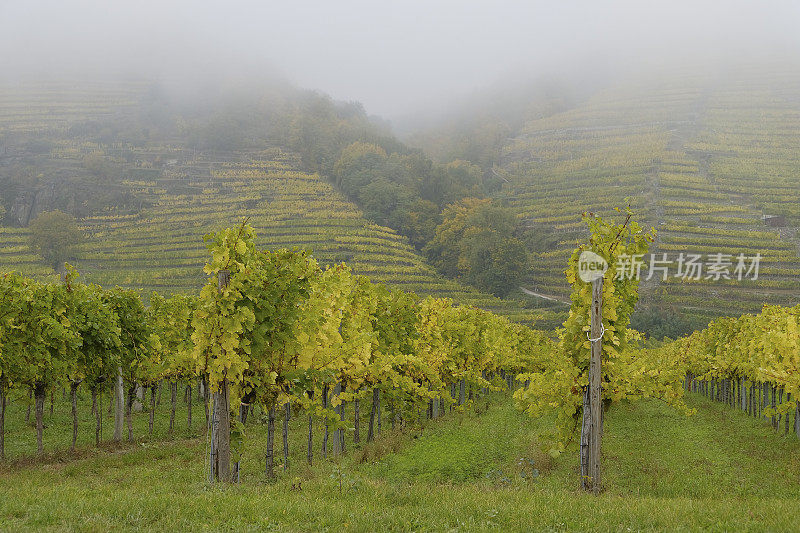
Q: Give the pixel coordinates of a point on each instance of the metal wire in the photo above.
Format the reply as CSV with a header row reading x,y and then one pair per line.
x,y
602,332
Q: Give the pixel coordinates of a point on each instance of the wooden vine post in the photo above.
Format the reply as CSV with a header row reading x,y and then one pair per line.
x,y
220,418
591,434
119,406
287,414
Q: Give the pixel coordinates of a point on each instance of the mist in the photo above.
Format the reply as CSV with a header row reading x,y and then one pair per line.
x,y
399,59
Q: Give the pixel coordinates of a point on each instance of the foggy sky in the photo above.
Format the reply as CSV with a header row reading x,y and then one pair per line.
x,y
394,57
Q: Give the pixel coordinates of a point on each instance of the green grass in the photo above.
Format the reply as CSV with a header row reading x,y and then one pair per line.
x,y
20,441
717,470
460,450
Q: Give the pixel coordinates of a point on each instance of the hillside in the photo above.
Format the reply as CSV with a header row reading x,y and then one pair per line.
x,y
145,206
161,247
702,158
56,106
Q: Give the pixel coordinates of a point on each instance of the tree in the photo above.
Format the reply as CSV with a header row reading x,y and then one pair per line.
x,y
417,221
54,236
476,242
452,182
444,250
493,262
381,199
359,165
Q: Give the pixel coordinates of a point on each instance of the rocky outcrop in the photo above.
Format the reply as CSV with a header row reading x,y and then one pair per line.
x,y
31,204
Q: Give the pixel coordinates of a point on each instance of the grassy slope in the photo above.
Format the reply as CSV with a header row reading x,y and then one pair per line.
x,y
718,470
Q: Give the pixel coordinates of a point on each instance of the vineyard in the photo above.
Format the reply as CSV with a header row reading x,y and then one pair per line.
x,y
366,383
702,159
276,331
233,344
53,107
749,363
158,248
279,331
145,205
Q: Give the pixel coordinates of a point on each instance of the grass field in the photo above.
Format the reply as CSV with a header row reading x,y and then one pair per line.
x,y
717,470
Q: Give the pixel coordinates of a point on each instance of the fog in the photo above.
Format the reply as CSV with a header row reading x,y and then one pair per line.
x,y
396,58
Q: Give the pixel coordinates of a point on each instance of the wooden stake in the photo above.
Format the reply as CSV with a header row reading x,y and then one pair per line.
x,y
287,413
39,395
337,434
98,414
325,436
271,444
310,439
357,421
373,411
73,392
153,410
595,384
189,405
797,419
221,422
119,406
3,388
173,393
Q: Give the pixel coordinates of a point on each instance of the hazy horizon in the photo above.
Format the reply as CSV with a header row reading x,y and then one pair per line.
x,y
398,60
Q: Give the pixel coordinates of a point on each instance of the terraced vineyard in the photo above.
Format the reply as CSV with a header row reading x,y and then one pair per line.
x,y
15,254
703,159
180,194
27,108
160,247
